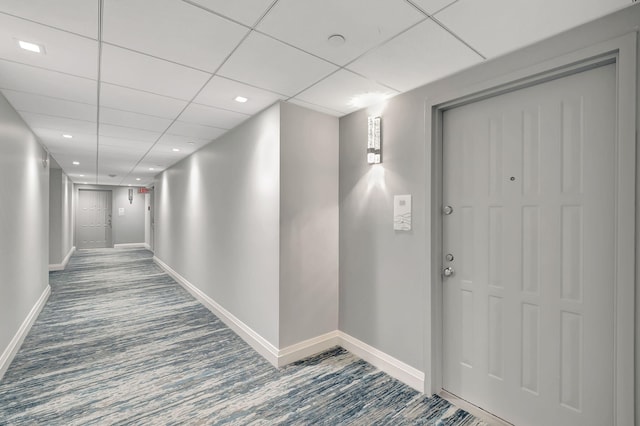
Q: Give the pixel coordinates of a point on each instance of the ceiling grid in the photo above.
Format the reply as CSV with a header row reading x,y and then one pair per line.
x,y
141,84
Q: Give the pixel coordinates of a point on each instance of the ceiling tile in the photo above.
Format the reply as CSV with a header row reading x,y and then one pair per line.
x,y
63,51
269,64
133,120
189,130
164,156
221,92
54,149
126,68
145,166
421,55
60,124
114,154
53,140
77,16
115,161
316,107
433,6
120,159
246,11
166,151
130,148
494,27
343,91
128,133
87,165
211,116
183,143
307,24
161,32
123,98
82,150
30,79
27,102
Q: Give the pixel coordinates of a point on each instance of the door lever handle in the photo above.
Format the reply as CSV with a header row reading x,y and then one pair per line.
x,y
448,271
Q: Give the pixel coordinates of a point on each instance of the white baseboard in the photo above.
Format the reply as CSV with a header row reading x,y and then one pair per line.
x,y
62,266
390,365
147,246
130,245
13,347
307,348
281,357
257,342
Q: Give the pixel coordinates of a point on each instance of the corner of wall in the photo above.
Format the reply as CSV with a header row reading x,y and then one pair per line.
x,y
308,288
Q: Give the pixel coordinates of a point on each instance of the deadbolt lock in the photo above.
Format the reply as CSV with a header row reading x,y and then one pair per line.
x,y
447,210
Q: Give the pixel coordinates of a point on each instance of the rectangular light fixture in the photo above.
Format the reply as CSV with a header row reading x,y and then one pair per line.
x,y
374,147
31,47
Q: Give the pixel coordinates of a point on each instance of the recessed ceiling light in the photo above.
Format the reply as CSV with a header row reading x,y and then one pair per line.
x,y
175,150
76,163
137,178
31,47
129,185
241,99
67,136
84,183
151,168
336,40
191,143
81,175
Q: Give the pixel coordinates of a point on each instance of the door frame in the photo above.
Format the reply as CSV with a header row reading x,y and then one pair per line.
x,y
620,51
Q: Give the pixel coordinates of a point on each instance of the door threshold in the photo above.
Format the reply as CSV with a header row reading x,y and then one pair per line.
x,y
474,410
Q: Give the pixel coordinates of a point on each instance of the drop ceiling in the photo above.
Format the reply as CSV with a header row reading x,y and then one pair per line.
x,y
141,84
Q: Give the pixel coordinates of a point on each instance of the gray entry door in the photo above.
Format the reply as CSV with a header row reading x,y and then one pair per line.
x,y
529,302
94,219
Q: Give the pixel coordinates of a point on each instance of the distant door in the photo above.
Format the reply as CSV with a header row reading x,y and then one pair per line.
x,y
529,300
94,219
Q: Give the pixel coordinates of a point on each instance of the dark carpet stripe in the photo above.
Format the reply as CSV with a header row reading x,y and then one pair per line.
x,y
120,342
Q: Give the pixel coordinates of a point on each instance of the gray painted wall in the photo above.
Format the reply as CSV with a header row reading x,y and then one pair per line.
x,y
382,271
308,224
24,222
60,216
217,221
252,221
55,216
127,229
384,276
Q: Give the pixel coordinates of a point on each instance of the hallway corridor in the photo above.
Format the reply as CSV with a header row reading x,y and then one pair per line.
x,y
120,342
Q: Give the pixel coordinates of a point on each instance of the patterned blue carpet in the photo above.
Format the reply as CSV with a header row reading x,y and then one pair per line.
x,y
120,342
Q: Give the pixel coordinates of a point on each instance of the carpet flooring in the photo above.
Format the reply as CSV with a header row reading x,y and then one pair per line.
x,y
120,342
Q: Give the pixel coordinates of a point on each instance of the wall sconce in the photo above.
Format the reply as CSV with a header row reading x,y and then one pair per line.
x,y
130,195
374,143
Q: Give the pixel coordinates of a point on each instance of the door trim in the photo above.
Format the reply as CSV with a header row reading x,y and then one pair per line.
x,y
621,52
